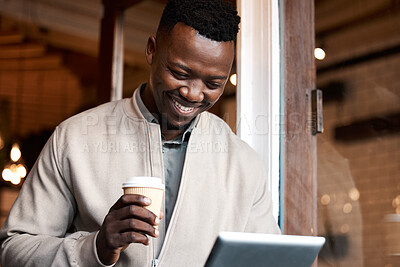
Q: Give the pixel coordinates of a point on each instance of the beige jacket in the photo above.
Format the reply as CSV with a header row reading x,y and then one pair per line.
x,y
79,174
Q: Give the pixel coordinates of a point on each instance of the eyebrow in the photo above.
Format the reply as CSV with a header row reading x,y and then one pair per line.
x,y
187,69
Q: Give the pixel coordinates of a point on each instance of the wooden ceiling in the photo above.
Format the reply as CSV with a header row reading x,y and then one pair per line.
x,y
75,25
350,30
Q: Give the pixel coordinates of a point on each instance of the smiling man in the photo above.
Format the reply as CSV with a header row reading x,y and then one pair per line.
x,y
70,211
188,75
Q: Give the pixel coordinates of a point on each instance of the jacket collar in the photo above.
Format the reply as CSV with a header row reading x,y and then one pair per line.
x,y
133,111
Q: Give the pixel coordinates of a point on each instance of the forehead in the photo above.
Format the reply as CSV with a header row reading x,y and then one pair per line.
x,y
185,43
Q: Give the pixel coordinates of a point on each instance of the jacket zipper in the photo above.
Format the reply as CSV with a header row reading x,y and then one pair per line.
x,y
154,263
155,260
168,233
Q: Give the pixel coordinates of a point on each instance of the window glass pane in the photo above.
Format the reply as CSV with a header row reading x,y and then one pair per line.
x,y
359,151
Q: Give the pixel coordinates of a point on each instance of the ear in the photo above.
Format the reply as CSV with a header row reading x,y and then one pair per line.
x,y
150,49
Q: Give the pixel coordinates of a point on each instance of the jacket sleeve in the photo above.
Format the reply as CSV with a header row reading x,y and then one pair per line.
x,y
35,232
261,219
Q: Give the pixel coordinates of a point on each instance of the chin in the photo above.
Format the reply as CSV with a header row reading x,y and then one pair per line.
x,y
173,126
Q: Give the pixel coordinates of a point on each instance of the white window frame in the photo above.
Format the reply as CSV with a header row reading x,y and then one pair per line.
x,y
258,86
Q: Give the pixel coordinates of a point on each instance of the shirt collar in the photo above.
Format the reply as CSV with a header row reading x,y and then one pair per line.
x,y
143,109
152,119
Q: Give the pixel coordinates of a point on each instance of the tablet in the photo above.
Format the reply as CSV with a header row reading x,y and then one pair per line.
x,y
248,250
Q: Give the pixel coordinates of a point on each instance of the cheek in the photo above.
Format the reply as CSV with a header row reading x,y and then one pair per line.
x,y
214,95
166,81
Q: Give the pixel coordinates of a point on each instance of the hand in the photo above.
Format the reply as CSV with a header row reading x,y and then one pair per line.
x,y
127,222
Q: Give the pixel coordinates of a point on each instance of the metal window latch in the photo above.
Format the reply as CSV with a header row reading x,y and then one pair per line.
x,y
317,116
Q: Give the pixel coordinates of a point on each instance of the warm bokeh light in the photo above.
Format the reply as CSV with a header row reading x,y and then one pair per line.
x,y
15,179
233,79
6,174
15,153
14,173
354,194
1,142
325,199
347,208
396,202
21,170
319,53
345,228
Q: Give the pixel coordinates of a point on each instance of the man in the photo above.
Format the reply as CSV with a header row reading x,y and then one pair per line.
x,y
70,210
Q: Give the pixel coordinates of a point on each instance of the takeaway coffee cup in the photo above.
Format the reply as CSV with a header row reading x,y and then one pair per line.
x,y
151,187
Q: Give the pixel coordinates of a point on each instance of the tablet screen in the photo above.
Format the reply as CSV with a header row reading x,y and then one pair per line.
x,y
247,249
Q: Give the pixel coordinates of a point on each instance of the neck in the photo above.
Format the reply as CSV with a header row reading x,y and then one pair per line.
x,y
170,134
148,100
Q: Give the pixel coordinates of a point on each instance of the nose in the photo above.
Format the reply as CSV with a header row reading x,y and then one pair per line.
x,y
193,92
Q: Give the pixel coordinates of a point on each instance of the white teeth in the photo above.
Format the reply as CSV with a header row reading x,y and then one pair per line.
x,y
183,108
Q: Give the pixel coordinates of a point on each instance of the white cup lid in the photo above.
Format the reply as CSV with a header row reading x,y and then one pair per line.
x,y
144,181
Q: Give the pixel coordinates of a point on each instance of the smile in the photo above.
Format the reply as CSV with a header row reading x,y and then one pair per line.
x,y
181,107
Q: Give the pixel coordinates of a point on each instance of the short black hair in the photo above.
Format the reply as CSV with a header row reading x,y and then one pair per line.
x,y
217,20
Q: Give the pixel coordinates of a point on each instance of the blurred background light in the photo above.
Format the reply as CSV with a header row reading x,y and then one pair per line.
x,y
233,79
15,153
319,53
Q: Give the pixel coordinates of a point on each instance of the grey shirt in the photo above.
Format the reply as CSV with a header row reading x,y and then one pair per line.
x,y
174,152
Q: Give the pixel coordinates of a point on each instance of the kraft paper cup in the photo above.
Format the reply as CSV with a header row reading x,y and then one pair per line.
x,y
151,187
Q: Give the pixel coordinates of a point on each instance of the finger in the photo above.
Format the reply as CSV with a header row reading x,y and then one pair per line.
x,y
131,199
122,240
134,225
136,212
114,232
133,237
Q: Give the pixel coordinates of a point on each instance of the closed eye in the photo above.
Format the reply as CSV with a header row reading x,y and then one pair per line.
x,y
179,75
213,85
